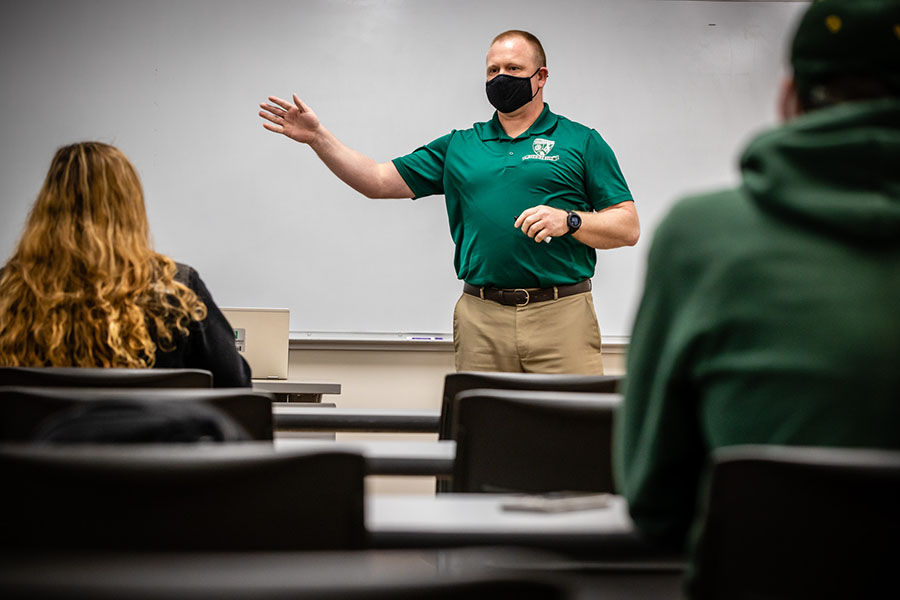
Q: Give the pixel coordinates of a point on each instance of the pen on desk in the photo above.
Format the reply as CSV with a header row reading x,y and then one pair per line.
x,y
546,239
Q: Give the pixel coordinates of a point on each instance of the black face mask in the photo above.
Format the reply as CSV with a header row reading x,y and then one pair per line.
x,y
508,93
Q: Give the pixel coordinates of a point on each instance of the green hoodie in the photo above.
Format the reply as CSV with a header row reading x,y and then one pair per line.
x,y
771,313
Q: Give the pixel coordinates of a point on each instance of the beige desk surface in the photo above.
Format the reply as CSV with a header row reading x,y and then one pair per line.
x,y
290,386
387,457
453,520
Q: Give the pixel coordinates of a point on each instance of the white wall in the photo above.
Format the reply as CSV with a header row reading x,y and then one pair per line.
x,y
674,87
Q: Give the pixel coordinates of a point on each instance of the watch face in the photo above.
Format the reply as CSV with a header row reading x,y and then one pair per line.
x,y
574,221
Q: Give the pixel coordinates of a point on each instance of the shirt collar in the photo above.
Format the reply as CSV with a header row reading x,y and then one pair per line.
x,y
492,130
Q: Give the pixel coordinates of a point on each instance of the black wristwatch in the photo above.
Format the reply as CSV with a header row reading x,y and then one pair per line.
x,y
573,221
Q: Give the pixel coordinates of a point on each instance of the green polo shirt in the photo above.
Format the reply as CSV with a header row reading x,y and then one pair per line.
x,y
488,179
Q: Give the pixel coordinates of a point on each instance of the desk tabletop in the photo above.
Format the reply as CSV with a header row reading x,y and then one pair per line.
x,y
334,574
252,575
447,520
318,418
387,457
292,386
484,513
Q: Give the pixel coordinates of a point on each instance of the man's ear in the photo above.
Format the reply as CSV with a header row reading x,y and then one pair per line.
x,y
789,101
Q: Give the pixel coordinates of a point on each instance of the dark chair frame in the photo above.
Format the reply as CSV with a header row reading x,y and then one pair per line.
x,y
101,377
799,522
454,383
510,441
187,497
24,410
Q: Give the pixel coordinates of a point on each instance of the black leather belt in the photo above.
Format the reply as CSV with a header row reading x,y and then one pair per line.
x,y
521,297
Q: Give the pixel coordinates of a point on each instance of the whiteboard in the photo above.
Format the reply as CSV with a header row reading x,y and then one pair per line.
x,y
676,89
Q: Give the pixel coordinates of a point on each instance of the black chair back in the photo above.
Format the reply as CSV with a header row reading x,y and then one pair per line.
x,y
140,422
196,497
799,522
27,413
100,377
534,442
454,383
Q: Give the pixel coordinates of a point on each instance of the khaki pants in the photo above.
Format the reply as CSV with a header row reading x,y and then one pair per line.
x,y
556,336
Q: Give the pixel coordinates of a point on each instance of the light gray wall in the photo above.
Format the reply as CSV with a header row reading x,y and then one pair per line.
x,y
675,87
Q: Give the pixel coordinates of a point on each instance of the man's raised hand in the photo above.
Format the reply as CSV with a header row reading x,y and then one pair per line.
x,y
297,121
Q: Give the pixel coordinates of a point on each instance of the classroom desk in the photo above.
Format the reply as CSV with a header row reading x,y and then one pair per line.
x,y
447,520
288,390
313,575
387,457
246,575
315,418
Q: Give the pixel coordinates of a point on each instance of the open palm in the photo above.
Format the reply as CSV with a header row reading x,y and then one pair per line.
x,y
297,121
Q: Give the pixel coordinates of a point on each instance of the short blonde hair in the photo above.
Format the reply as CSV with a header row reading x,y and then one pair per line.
x,y
528,37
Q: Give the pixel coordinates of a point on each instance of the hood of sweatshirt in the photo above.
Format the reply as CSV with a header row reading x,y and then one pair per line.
x,y
836,170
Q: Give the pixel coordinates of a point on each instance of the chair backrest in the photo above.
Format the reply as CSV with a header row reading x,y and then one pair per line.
x,y
792,522
197,497
100,377
27,412
535,442
454,383
140,422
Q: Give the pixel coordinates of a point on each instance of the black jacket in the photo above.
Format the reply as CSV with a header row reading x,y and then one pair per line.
x,y
210,344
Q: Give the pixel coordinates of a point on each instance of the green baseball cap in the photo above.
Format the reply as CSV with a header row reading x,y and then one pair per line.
x,y
848,37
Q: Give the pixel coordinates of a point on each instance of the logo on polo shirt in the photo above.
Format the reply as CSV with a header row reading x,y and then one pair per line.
x,y
541,148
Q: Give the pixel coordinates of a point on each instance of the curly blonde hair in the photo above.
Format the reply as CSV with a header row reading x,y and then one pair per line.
x,y
84,287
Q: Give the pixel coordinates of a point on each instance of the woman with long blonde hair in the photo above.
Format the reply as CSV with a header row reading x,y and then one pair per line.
x,y
84,288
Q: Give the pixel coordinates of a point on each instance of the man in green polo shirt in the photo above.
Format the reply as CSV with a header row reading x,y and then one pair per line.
x,y
530,195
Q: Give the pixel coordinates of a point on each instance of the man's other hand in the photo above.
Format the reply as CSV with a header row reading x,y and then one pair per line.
x,y
541,222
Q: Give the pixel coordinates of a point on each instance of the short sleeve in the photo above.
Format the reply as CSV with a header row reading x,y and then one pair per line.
x,y
604,181
423,169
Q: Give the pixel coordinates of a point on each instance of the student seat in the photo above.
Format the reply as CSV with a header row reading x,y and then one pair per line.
x,y
101,377
454,383
185,497
799,522
27,413
533,441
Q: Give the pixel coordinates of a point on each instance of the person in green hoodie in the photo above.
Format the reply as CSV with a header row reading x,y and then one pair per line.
x,y
771,312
